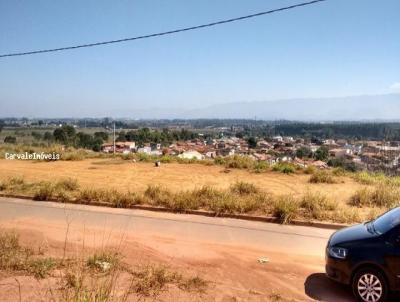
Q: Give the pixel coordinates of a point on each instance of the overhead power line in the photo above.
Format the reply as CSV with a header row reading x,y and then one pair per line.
x,y
161,33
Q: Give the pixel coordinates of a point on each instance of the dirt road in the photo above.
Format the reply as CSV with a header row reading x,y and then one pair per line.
x,y
223,251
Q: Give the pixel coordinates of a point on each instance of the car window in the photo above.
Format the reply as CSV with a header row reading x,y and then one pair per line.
x,y
387,221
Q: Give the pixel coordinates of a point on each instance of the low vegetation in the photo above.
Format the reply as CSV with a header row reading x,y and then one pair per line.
x,y
382,195
317,206
14,257
322,177
286,208
240,198
286,168
368,178
102,276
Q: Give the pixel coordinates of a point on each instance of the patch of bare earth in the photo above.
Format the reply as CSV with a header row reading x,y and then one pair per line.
x,y
233,273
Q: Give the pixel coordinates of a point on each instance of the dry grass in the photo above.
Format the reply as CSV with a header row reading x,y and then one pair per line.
x,y
382,195
180,187
317,206
368,178
239,198
322,177
285,168
244,188
286,208
135,177
14,257
102,276
151,281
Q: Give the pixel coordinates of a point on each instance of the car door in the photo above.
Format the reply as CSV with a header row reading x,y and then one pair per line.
x,y
392,257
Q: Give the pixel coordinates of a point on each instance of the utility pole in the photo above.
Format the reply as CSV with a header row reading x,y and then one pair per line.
x,y
114,139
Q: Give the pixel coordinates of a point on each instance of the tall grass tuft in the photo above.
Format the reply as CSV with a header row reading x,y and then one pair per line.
x,y
322,177
68,184
286,168
44,192
286,208
159,196
243,188
382,195
317,205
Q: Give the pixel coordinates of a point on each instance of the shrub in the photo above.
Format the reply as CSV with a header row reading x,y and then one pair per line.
x,y
386,196
125,200
239,162
63,196
285,168
16,181
68,184
183,201
310,170
11,256
10,140
11,183
322,177
219,161
243,188
166,159
74,155
89,195
41,267
382,195
345,215
223,203
158,195
260,166
368,178
286,208
361,197
251,203
316,205
44,192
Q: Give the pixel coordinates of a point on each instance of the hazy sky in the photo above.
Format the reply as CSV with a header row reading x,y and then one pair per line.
x,y
334,48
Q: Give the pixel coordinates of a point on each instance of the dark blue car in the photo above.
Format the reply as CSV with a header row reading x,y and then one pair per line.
x,y
367,257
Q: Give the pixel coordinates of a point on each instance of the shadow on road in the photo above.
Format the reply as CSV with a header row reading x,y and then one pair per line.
x,y
321,288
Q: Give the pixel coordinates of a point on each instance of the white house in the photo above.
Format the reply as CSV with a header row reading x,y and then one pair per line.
x,y
277,138
146,149
192,154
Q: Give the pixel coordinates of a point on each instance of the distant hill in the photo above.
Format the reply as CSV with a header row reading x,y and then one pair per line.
x,y
371,107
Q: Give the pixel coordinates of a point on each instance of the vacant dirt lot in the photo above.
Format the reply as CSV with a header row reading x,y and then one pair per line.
x,y
126,175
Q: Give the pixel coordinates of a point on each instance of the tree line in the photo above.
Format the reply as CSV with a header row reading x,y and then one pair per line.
x,y
164,136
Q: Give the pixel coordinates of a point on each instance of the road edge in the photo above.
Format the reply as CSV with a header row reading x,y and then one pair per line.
x,y
267,219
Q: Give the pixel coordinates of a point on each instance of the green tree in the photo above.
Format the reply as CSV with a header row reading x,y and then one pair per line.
x,y
10,140
65,134
36,135
103,135
322,153
252,141
60,136
303,152
48,136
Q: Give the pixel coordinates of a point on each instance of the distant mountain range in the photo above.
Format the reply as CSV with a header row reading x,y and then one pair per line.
x,y
353,108
384,107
